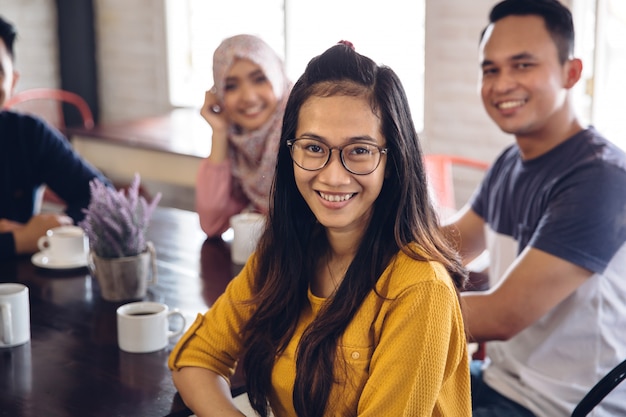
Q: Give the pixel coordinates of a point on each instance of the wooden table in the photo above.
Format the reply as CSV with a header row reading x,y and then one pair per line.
x,y
72,366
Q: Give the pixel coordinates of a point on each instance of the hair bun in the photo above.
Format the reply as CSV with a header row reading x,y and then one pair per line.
x,y
347,43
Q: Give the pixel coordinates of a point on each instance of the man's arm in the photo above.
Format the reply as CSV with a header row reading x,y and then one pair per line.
x,y
534,284
466,231
63,170
25,236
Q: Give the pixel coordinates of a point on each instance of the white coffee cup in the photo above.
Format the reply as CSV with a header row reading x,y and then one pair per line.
x,y
15,315
143,326
65,243
247,229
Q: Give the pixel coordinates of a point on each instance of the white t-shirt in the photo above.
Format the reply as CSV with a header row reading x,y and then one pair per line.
x,y
571,203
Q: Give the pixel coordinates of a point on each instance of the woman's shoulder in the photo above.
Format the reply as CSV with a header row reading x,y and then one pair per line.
x,y
405,273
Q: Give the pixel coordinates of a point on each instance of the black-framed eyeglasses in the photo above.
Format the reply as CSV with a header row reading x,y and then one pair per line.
x,y
359,158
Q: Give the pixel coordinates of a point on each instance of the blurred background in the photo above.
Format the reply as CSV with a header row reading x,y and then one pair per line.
x,y
139,58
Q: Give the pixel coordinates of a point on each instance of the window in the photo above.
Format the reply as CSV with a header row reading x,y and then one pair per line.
x,y
391,32
196,27
600,34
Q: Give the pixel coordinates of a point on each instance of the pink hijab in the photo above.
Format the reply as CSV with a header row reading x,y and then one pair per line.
x,y
253,154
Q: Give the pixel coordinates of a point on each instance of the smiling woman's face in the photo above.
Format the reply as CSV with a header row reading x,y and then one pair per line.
x,y
249,99
340,200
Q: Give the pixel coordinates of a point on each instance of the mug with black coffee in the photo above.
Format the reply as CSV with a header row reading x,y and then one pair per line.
x,y
144,326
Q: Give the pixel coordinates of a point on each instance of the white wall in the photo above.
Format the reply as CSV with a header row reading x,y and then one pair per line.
x,y
454,119
36,48
132,58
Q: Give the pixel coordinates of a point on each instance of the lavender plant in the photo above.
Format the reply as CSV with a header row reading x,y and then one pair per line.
x,y
116,221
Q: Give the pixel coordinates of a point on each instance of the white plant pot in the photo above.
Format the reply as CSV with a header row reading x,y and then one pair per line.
x,y
123,279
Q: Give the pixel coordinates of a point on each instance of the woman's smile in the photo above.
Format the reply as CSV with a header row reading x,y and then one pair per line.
x,y
335,198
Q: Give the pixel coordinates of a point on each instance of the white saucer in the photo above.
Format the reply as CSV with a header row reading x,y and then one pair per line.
x,y
42,260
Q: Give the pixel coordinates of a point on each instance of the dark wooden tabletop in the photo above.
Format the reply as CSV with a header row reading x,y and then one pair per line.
x,y
72,366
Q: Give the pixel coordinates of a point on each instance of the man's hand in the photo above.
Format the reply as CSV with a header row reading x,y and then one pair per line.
x,y
27,235
9,225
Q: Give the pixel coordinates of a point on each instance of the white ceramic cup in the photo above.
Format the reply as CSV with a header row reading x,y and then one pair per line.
x,y
15,315
247,229
143,326
65,243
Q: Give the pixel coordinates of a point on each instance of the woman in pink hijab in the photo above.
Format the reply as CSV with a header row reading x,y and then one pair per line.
x,y
245,110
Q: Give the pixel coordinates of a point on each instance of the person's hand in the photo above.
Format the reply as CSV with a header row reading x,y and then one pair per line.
x,y
213,112
27,235
7,225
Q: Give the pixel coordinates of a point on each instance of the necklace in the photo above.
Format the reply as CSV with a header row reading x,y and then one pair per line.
x,y
336,281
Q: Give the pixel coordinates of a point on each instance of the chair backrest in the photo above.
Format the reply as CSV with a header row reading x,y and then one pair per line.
x,y
440,176
47,103
600,390
439,169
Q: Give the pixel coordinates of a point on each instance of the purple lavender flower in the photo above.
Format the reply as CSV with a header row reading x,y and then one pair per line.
x,y
116,222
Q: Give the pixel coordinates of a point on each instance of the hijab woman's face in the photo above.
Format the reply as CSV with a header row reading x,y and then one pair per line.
x,y
249,99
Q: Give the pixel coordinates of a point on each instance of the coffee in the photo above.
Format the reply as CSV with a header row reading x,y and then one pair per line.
x,y
143,326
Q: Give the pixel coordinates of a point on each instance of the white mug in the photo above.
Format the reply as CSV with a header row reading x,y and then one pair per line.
x,y
65,243
247,229
143,326
15,312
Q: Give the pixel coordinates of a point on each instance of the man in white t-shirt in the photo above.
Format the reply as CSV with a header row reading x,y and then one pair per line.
x,y
552,213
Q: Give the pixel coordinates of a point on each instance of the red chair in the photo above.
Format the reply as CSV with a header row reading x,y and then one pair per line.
x,y
47,103
439,170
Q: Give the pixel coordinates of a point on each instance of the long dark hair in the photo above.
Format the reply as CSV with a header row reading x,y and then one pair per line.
x,y
294,241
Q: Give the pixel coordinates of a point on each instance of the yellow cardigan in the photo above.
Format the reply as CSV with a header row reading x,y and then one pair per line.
x,y
405,350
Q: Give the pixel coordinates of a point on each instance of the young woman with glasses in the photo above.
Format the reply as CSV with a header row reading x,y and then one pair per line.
x,y
350,305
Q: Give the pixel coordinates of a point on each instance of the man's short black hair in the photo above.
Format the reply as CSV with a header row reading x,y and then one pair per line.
x,y
557,18
8,35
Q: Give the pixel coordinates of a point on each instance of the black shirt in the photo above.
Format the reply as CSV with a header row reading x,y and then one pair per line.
x,y
31,154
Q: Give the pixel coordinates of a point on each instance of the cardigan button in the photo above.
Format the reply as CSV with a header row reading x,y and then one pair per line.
x,y
355,355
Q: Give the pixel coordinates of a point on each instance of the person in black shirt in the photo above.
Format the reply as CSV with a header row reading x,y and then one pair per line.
x,y
33,154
